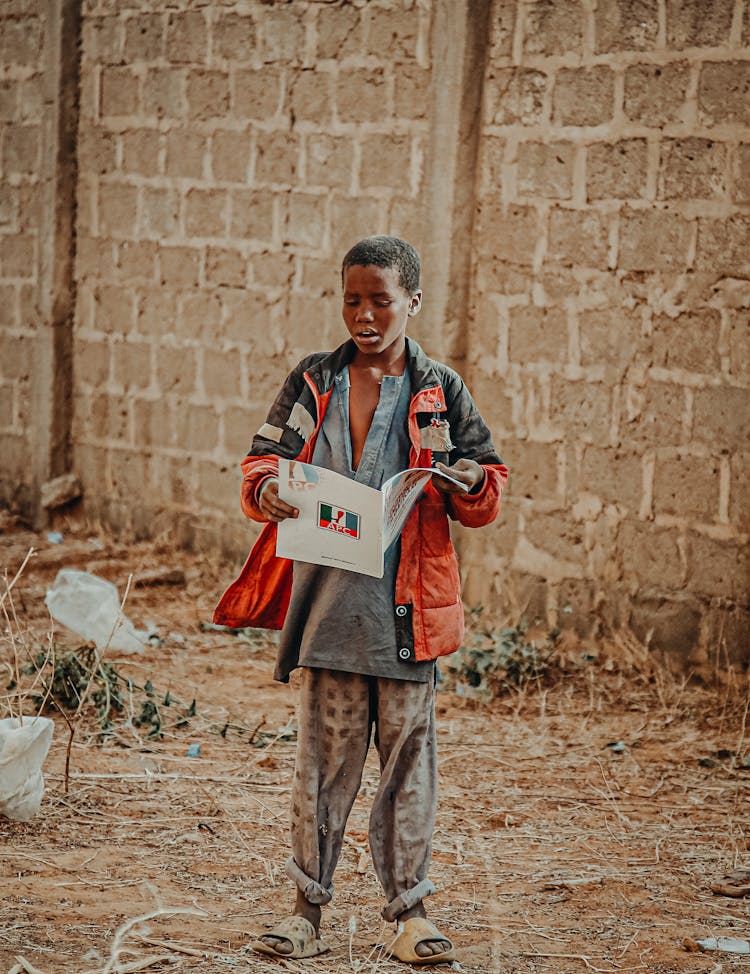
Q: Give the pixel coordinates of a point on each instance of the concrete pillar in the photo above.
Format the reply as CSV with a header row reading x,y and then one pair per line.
x,y
52,389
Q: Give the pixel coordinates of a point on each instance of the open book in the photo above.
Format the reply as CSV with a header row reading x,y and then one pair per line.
x,y
343,523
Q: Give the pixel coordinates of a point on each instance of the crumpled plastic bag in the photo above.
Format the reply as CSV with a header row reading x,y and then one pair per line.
x,y
23,748
90,606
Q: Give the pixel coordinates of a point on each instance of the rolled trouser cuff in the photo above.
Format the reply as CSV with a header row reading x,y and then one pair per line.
x,y
310,888
408,899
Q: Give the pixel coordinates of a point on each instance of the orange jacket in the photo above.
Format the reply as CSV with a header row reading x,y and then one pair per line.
x,y
428,608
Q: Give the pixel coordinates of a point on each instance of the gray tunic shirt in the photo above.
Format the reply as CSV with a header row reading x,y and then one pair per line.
x,y
337,619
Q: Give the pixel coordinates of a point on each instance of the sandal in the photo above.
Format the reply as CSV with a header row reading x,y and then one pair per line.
x,y
301,935
416,931
736,883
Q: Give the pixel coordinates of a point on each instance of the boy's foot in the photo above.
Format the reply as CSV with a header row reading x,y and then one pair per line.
x,y
426,946
294,937
279,942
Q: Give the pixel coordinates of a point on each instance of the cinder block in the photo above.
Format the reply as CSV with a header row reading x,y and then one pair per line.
x,y
180,266
353,218
137,259
721,417
117,209
687,486
241,423
9,315
395,31
251,215
230,156
218,485
207,94
614,475
658,421
243,310
310,97
156,311
6,406
692,169
583,96
546,169
538,335
114,309
144,37
140,151
581,410
386,161
722,245
742,174
175,371
305,222
160,212
329,161
164,93
653,240
724,93
21,145
201,315
186,151
516,96
553,27
9,100
225,267
109,418
361,96
18,255
339,33
197,428
276,157
690,341
119,91
626,25
534,469
695,23
257,93
187,37
15,357
96,150
102,39
718,568
21,40
655,93
234,38
153,421
667,625
411,93
277,270
617,170
284,36
91,362
222,373
610,337
560,536
507,232
206,213
650,556
578,237
131,364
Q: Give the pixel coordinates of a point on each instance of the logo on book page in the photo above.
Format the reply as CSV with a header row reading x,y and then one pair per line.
x,y
336,519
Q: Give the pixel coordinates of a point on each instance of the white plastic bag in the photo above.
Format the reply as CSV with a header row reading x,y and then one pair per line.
x,y
23,748
90,606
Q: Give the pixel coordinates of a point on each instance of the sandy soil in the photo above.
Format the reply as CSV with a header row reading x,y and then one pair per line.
x,y
554,852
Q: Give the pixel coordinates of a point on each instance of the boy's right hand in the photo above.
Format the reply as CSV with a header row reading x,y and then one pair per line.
x,y
272,507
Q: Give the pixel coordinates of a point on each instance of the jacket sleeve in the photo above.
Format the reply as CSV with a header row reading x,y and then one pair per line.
x,y
472,440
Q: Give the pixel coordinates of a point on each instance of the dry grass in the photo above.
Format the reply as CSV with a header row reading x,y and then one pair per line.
x,y
578,830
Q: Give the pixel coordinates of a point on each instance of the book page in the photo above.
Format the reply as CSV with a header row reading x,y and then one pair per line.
x,y
339,521
400,494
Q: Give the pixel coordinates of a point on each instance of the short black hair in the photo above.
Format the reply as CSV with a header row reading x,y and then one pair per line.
x,y
386,252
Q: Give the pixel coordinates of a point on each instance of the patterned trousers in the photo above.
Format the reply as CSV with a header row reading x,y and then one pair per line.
x,y
337,713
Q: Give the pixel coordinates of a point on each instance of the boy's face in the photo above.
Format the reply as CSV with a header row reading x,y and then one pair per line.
x,y
376,308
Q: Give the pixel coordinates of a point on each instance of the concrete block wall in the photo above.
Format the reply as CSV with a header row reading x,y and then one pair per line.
x,y
228,155
611,327
21,121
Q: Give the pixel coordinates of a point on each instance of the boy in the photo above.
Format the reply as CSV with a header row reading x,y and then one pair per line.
x,y
367,646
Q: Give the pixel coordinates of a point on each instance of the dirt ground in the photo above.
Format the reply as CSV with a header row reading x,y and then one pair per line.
x,y
577,831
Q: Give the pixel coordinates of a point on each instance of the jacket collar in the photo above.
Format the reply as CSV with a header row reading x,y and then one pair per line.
x,y
420,367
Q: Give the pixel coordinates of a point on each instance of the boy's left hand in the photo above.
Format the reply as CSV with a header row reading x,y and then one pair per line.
x,y
468,472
